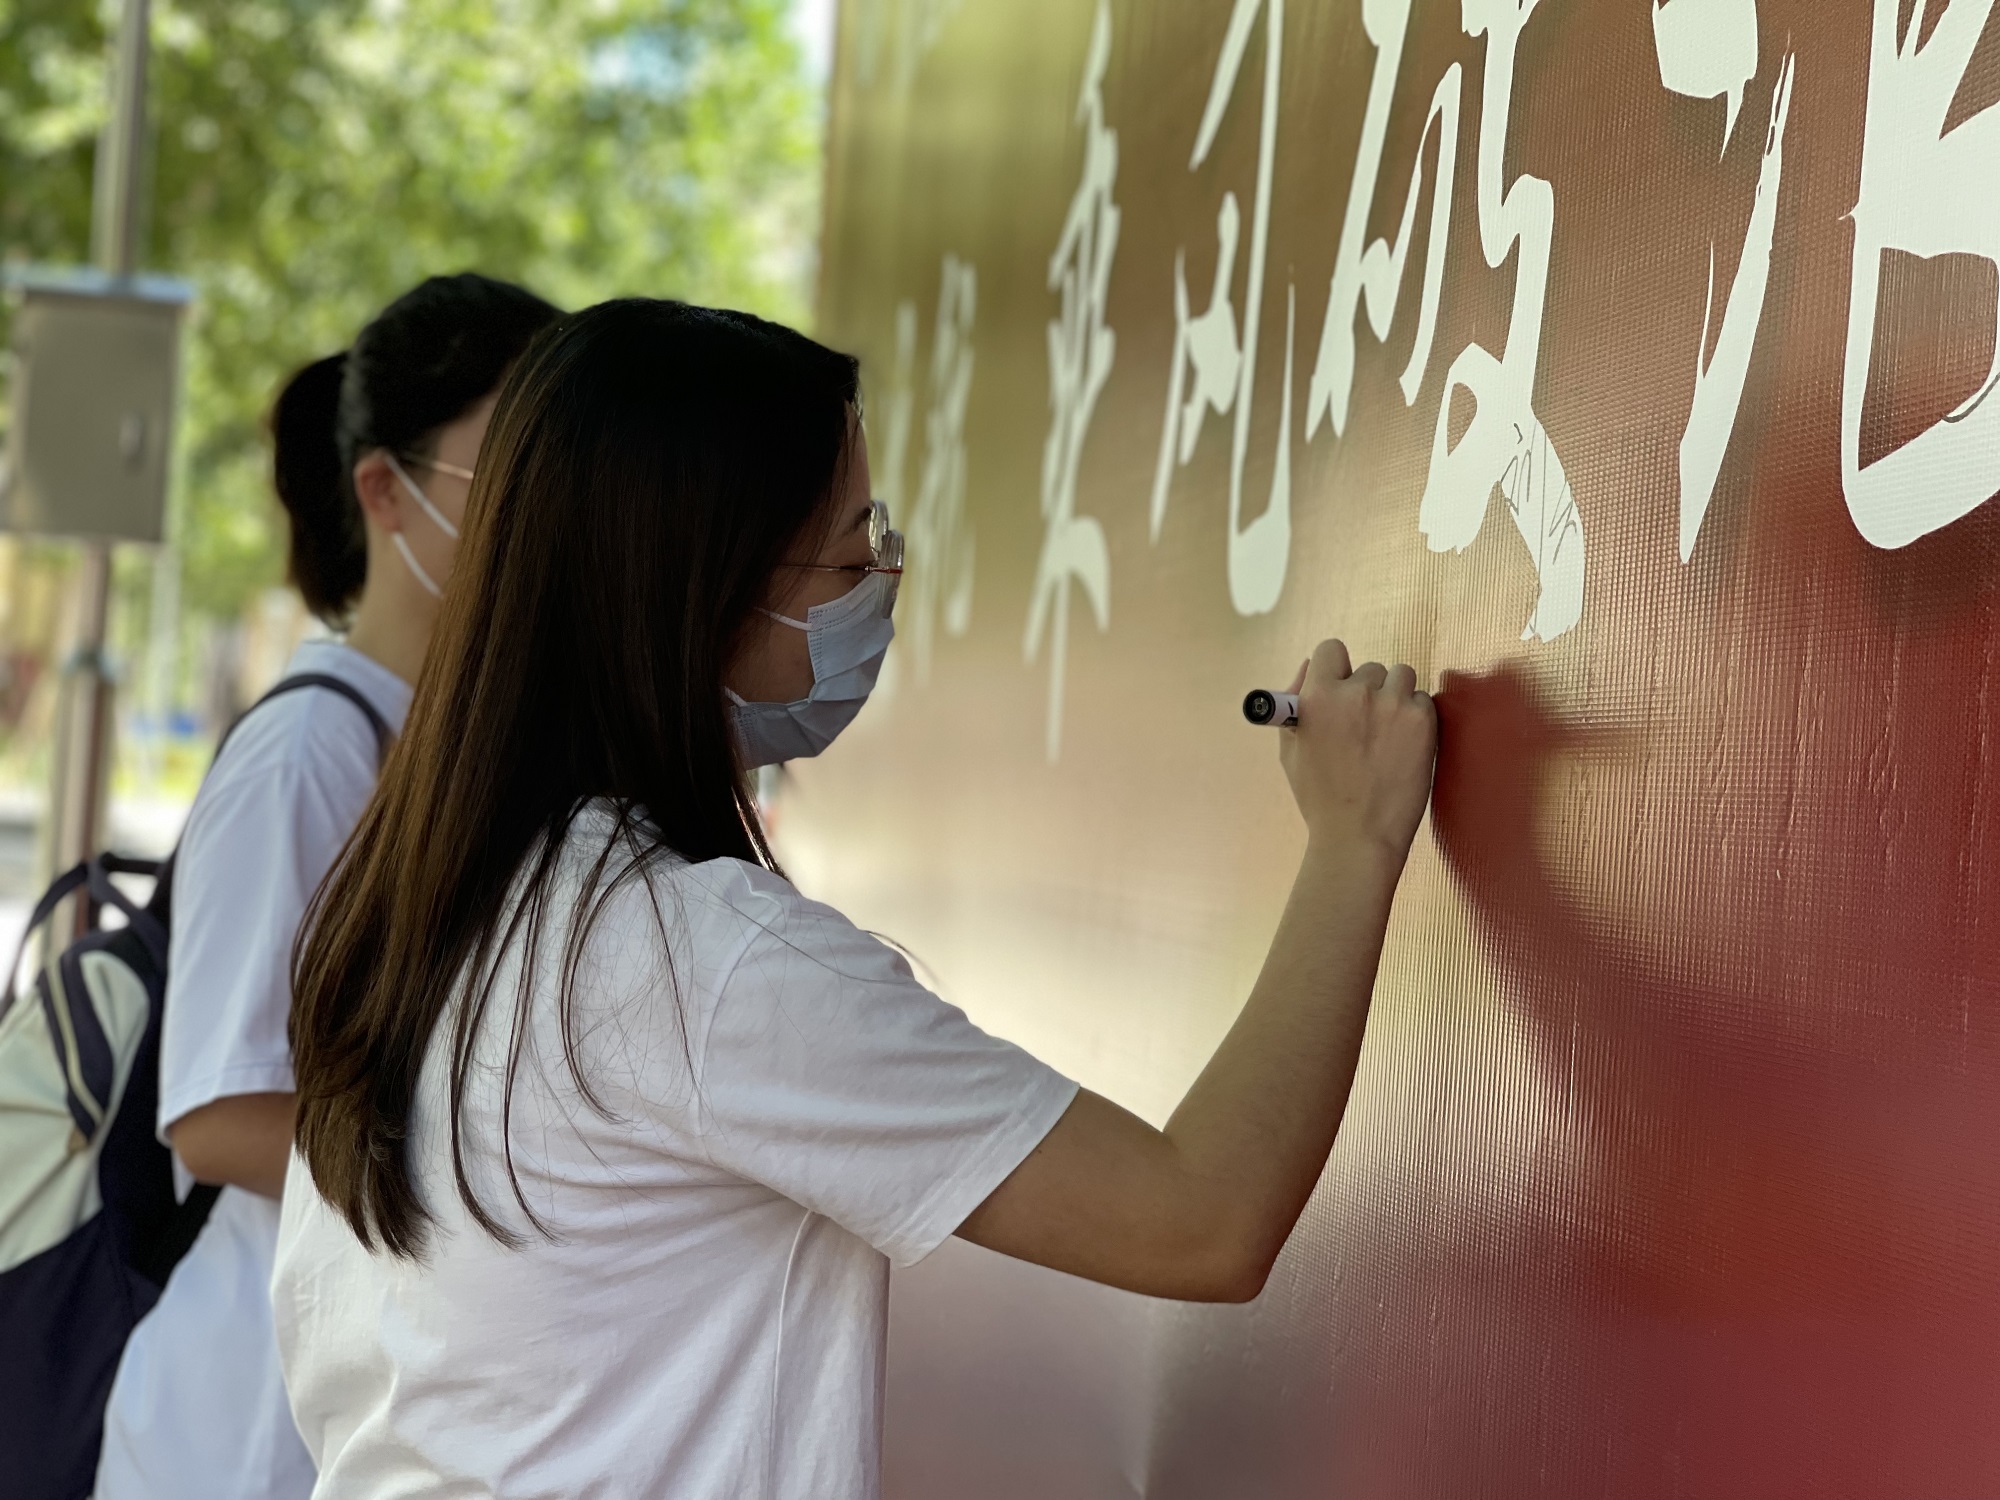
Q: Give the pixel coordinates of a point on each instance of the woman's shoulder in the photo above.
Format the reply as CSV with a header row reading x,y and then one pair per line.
x,y
292,746
772,933
308,743
699,898
744,895
741,885
713,904
717,918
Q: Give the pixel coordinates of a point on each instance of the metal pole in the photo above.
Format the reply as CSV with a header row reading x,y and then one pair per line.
x,y
115,212
83,749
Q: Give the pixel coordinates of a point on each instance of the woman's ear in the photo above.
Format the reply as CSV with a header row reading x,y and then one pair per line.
x,y
376,488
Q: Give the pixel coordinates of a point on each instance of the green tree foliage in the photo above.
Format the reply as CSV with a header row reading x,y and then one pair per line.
x,y
312,158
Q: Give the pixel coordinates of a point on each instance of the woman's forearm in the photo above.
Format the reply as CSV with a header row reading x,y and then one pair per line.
x,y
1199,1210
1254,1132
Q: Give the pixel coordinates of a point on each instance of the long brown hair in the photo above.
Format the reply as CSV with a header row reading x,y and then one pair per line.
x,y
648,467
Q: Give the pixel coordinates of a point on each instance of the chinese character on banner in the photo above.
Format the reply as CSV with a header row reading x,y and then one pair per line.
x,y
1376,273
938,589
1925,190
894,451
1081,349
1208,350
892,37
1505,447
890,420
1707,49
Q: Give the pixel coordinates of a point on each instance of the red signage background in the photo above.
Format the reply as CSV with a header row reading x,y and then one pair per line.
x,y
1672,1166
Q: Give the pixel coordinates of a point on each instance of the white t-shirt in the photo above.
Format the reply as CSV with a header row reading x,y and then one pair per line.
x,y
785,1112
198,1408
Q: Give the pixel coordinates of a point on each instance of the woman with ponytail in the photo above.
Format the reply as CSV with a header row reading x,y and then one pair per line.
x,y
375,450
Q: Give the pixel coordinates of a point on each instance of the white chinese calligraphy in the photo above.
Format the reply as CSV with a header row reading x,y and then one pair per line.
x,y
898,408
938,587
1377,273
898,33
1505,447
891,419
1926,191
1209,348
1081,348
1708,50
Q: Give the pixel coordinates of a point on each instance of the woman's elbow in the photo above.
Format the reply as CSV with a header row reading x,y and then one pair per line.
x,y
207,1149
1225,1273
1240,1283
195,1147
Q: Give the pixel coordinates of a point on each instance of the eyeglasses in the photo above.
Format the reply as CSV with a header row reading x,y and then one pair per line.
x,y
436,463
885,553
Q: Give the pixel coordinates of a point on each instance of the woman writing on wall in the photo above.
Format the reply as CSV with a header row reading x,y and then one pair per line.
x,y
612,1134
375,451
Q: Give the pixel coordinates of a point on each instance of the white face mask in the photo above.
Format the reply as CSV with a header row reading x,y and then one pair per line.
x,y
437,519
847,640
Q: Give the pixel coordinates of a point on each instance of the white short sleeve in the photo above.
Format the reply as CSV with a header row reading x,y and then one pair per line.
x,y
829,1074
266,828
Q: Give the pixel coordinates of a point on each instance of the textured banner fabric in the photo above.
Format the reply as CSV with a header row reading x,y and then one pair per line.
x,y
1628,367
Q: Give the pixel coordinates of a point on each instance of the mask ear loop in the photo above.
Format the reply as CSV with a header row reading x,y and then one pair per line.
x,y
402,546
730,692
417,494
770,614
416,568
866,582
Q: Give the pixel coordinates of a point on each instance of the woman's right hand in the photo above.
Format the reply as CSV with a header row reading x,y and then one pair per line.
x,y
1361,758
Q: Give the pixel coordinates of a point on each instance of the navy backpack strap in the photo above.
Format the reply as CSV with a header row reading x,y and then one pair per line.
x,y
65,885
145,926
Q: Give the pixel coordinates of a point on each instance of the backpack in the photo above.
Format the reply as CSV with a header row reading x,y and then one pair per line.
x,y
89,1223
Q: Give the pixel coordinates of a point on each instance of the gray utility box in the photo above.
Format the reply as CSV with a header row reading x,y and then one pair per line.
x,y
96,370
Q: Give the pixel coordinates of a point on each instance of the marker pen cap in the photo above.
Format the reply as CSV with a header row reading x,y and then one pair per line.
x,y
1279,710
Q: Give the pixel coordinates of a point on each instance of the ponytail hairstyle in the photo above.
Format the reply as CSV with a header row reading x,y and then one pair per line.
x,y
426,360
649,468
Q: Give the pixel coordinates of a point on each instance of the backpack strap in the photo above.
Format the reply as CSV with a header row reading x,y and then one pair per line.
x,y
60,890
